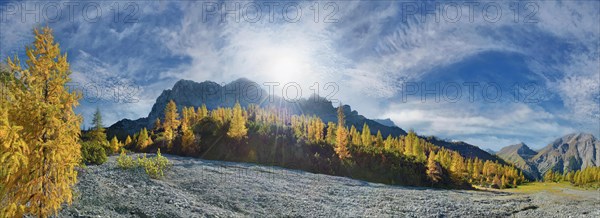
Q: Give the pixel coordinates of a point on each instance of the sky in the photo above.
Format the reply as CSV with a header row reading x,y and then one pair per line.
x,y
489,73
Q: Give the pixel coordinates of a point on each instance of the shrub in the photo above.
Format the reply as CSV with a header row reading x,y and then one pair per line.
x,y
93,153
124,161
155,166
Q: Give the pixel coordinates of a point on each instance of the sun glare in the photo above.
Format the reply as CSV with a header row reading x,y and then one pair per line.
x,y
286,65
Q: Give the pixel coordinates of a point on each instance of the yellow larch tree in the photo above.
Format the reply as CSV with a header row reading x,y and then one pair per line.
x,y
237,128
330,137
14,159
202,112
156,125
128,141
341,134
143,139
379,139
114,144
188,138
171,121
366,135
187,141
434,170
43,130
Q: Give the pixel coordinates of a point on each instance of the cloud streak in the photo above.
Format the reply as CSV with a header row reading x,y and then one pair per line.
x,y
368,51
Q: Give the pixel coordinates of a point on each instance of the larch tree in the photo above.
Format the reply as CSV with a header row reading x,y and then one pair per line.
x,y
188,138
143,139
187,141
38,165
434,170
202,112
98,133
419,150
14,160
128,141
237,128
354,135
476,171
366,135
188,116
388,143
458,165
341,134
171,121
379,139
408,143
114,144
331,133
156,125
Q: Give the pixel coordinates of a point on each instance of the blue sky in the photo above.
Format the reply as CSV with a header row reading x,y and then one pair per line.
x,y
390,59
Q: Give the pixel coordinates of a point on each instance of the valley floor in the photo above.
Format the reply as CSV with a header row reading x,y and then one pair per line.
x,y
201,188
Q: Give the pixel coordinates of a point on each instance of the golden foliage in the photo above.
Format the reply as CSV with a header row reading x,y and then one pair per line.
x,y
237,129
171,122
341,134
39,133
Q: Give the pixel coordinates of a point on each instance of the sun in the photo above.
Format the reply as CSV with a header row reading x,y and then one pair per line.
x,y
286,64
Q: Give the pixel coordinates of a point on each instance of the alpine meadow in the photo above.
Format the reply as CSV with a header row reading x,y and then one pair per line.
x,y
299,109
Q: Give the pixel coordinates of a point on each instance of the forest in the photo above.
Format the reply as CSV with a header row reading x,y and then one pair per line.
x,y
588,177
275,137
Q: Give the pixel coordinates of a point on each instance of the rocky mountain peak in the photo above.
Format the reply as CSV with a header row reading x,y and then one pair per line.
x,y
574,151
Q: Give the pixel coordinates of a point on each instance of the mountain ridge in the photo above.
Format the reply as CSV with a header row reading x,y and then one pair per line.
x,y
520,155
574,151
213,95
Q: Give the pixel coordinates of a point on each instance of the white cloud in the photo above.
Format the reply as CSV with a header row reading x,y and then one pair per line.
x,y
464,122
366,53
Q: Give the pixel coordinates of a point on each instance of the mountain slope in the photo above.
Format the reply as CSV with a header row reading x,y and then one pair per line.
x,y
490,151
386,122
520,155
571,152
465,149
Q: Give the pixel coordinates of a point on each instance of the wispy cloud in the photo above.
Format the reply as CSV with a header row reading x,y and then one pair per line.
x,y
368,51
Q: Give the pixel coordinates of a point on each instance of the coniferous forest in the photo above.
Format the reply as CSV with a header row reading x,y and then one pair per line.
x,y
273,137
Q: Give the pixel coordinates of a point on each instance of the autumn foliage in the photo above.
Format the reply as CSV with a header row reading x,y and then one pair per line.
x,y
39,132
276,137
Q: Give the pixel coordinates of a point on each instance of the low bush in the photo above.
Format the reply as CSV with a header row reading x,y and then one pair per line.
x,y
93,153
154,166
124,161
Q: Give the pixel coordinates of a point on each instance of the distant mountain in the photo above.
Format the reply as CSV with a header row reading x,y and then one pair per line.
x,y
189,93
465,149
520,155
213,95
490,151
571,152
385,122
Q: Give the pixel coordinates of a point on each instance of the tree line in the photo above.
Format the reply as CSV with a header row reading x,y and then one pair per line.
x,y
183,135
588,177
